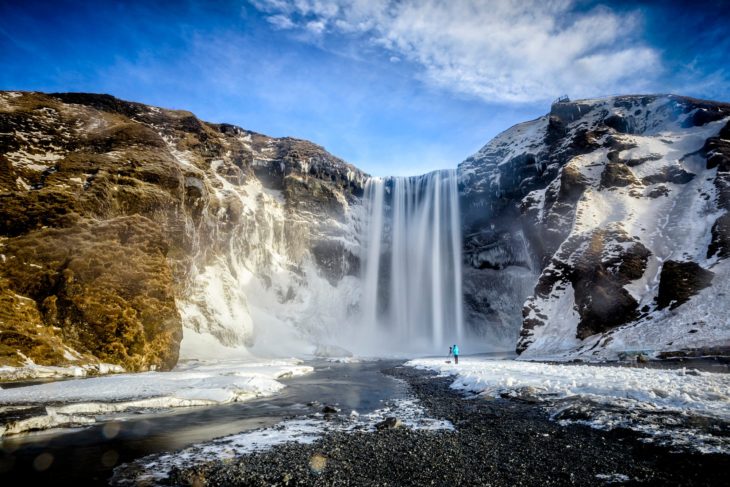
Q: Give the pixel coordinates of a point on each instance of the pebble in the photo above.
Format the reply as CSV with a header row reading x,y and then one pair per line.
x,y
502,442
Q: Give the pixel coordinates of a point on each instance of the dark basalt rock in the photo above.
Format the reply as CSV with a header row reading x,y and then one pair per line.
x,y
640,160
598,281
673,174
560,204
597,267
335,261
679,281
660,190
704,116
720,243
389,424
619,124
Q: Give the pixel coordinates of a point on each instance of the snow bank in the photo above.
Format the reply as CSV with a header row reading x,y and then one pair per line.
x,y
32,371
190,384
610,396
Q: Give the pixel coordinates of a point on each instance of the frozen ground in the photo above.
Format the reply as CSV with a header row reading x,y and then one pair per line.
x,y
33,371
154,468
80,401
681,408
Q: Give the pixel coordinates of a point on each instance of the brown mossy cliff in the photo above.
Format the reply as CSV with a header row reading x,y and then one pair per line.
x,y
103,204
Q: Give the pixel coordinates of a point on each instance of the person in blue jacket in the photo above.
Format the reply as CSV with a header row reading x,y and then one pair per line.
x,y
455,351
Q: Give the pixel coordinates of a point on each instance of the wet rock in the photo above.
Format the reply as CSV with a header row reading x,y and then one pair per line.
x,y
389,423
329,351
330,410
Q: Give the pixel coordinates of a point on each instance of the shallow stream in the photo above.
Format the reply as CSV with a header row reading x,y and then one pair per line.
x,y
87,456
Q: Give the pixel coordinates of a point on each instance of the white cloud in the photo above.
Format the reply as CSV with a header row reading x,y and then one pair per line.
x,y
501,51
281,21
316,26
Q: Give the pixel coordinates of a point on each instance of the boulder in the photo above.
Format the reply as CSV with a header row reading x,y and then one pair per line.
x,y
388,423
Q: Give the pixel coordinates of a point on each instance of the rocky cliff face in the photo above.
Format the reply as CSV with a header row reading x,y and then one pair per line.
x,y
608,220
134,235
121,222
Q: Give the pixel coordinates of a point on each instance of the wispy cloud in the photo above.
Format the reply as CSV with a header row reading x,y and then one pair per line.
x,y
500,51
281,21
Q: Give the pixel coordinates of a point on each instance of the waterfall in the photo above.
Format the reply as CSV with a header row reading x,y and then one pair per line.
x,y
411,254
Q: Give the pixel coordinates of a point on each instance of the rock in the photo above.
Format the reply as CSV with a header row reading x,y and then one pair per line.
x,y
389,423
679,281
671,174
660,190
597,266
330,410
720,243
619,124
617,175
331,351
108,230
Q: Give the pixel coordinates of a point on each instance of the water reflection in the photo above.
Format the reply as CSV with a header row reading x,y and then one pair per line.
x,y
87,456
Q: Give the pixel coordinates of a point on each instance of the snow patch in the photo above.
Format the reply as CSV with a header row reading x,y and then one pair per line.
x,y
190,384
610,397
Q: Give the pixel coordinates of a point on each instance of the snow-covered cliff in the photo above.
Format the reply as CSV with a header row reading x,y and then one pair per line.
x,y
133,235
126,228
608,219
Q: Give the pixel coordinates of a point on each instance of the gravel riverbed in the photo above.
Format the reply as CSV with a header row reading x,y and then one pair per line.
x,y
498,442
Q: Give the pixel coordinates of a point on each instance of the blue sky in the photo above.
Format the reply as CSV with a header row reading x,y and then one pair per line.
x,y
394,87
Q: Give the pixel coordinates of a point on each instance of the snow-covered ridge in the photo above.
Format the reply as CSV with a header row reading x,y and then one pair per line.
x,y
643,398
604,192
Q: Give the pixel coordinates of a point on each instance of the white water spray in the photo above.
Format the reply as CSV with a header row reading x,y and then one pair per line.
x,y
412,289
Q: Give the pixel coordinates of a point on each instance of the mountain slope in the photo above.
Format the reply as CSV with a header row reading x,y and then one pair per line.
x,y
622,204
121,221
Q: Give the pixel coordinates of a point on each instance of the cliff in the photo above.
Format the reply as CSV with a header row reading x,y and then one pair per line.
x,y
134,235
608,220
119,222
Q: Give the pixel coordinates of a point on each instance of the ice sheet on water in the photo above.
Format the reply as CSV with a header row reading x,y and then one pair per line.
x,y
676,407
189,384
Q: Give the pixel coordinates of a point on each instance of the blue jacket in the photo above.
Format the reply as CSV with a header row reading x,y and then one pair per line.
x,y
455,351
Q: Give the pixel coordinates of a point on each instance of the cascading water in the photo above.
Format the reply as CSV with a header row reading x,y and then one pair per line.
x,y
412,290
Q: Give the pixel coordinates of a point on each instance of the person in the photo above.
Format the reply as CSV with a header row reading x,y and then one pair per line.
x,y
455,351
